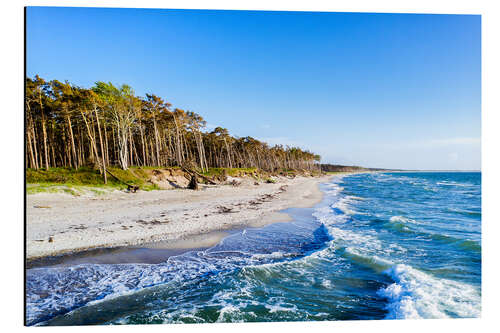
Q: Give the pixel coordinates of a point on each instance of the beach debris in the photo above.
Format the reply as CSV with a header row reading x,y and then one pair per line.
x,y
194,173
224,209
130,188
283,188
153,222
36,206
256,183
78,227
266,197
234,182
193,184
51,239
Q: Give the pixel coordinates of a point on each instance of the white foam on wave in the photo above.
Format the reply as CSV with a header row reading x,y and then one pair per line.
x,y
388,178
58,289
418,295
414,294
227,311
280,308
452,183
376,262
333,191
55,290
273,255
403,219
343,205
364,241
353,197
326,283
326,216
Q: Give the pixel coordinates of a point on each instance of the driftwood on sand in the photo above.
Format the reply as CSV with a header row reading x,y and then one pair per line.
x,y
193,184
130,187
192,172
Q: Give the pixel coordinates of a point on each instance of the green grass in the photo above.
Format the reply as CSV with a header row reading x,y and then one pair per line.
x,y
82,176
75,190
50,188
233,172
83,179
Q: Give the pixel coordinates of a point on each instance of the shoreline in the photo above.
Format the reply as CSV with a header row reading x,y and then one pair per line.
x,y
167,219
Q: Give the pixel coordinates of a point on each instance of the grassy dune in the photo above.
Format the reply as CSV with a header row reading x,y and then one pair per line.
x,y
86,179
69,180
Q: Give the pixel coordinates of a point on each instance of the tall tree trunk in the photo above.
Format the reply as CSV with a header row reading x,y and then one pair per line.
x,y
103,154
141,129
30,149
44,131
228,153
106,160
178,143
131,160
35,143
114,151
123,147
72,138
52,148
31,138
156,141
92,141
45,150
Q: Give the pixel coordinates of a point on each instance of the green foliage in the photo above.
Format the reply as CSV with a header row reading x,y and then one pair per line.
x,y
82,176
68,125
69,179
233,172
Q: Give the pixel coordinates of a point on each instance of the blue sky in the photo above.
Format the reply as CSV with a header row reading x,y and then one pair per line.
x,y
378,90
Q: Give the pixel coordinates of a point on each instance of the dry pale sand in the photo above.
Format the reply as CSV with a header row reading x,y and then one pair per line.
x,y
60,223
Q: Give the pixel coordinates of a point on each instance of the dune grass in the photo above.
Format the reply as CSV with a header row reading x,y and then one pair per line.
x,y
233,172
76,181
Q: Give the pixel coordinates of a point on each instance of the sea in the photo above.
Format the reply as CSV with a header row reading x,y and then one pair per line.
x,y
379,246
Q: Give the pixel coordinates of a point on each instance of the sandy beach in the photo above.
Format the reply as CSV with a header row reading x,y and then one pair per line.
x,y
60,223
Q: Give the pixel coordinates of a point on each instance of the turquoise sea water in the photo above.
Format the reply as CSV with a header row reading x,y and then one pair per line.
x,y
379,246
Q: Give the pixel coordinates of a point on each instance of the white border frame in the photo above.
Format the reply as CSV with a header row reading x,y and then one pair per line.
x,y
12,20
